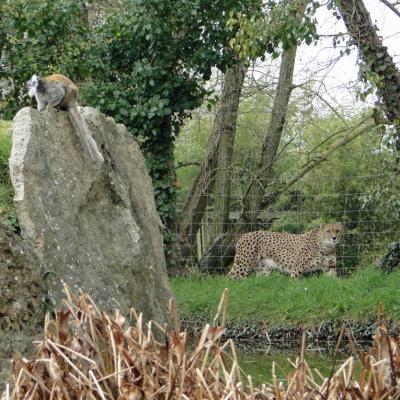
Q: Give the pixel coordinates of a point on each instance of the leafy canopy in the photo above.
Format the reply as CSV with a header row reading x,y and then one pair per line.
x,y
155,57
144,62
40,36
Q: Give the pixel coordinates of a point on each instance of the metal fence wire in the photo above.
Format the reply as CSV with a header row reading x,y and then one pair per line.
x,y
363,243
365,204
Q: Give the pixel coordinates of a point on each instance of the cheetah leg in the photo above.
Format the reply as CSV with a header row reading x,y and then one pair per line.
x,y
241,268
295,274
331,271
237,271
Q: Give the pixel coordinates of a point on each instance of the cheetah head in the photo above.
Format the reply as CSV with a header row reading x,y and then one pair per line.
x,y
330,234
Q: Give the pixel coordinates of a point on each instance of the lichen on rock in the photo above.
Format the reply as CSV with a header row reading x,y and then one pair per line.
x,y
94,227
22,297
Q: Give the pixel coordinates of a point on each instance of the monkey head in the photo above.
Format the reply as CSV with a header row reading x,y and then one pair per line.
x,y
35,84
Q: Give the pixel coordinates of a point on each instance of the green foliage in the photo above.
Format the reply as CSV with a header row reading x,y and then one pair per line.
x,y
41,36
147,60
190,148
368,81
268,31
5,149
277,299
152,56
145,63
250,130
155,57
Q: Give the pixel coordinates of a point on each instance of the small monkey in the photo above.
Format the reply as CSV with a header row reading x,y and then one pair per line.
x,y
58,91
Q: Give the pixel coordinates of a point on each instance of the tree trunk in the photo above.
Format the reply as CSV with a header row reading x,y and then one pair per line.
x,y
375,55
257,187
392,7
223,182
85,14
223,129
221,252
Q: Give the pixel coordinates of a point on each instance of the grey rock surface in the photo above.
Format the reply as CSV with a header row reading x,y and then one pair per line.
x,y
22,298
94,227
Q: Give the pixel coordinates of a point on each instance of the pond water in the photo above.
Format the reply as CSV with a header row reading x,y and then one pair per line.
x,y
259,364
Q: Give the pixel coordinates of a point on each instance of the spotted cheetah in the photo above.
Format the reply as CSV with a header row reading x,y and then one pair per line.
x,y
264,251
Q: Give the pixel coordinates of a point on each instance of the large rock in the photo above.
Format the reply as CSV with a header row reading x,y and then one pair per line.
x,y
94,227
22,299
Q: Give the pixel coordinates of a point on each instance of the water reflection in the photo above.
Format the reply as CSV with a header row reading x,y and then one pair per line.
x,y
320,359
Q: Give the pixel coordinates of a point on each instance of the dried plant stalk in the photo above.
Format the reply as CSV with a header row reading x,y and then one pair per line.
x,y
86,354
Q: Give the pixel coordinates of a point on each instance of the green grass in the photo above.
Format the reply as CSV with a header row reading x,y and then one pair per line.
x,y
277,299
259,365
7,212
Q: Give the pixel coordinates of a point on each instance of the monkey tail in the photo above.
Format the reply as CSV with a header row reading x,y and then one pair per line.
x,y
83,132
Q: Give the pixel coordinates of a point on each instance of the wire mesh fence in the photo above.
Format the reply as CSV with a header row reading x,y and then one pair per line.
x,y
370,225
325,167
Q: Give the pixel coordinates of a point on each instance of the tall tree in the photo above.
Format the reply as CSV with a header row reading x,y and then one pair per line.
x,y
221,252
377,60
257,187
223,131
157,55
223,178
279,25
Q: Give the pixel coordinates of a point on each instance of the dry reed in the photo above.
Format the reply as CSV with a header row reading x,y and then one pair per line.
x,y
86,354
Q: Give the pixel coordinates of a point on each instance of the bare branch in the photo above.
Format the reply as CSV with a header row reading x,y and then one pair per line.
x,y
330,106
182,164
391,6
354,133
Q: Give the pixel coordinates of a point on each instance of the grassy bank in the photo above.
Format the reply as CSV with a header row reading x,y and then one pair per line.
x,y
114,356
280,300
6,190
